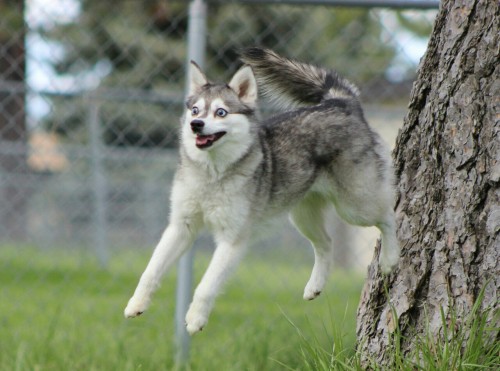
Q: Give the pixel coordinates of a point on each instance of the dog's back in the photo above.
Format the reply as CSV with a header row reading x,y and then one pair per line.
x,y
321,134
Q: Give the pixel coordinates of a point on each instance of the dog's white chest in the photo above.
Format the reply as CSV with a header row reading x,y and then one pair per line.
x,y
222,204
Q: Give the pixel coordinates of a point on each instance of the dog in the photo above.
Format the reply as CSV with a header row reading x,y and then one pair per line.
x,y
236,170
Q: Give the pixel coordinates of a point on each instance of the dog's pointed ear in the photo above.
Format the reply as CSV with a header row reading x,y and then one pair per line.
x,y
244,84
196,78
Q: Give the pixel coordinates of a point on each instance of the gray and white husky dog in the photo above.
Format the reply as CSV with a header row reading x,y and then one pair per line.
x,y
236,170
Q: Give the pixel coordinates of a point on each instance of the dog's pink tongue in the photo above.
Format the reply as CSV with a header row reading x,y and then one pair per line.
x,y
202,140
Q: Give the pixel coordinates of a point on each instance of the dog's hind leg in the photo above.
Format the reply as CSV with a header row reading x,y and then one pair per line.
x,y
308,217
389,252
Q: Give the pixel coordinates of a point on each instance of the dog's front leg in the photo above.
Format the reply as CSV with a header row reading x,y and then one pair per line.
x,y
176,239
224,261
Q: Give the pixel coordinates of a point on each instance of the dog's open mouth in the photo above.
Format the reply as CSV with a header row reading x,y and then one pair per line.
x,y
205,141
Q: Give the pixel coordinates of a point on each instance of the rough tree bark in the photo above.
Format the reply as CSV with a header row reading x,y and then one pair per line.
x,y
447,163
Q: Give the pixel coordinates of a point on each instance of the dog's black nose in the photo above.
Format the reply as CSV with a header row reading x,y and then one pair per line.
x,y
197,126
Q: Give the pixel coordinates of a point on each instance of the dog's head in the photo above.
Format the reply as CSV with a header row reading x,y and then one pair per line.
x,y
219,115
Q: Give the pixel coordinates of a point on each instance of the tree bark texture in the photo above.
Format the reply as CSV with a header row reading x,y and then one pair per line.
x,y
447,163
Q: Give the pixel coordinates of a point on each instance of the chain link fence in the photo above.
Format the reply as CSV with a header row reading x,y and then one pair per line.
x,y
91,93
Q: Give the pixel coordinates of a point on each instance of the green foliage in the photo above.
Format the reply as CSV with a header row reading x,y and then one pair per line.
x,y
142,47
416,25
351,42
144,44
12,22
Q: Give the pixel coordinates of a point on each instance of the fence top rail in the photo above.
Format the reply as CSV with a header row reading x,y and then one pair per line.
x,y
399,4
102,93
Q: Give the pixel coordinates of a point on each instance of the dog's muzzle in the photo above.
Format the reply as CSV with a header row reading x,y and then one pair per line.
x,y
204,141
197,126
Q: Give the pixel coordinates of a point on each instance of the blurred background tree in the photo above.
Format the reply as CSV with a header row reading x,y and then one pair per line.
x,y
141,46
13,131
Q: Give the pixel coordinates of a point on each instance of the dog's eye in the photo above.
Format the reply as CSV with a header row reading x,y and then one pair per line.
x,y
221,112
195,111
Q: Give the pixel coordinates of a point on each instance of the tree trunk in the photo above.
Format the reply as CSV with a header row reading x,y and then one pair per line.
x,y
13,137
447,163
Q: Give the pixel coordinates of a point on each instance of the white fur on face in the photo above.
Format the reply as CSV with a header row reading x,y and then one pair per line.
x,y
227,149
232,124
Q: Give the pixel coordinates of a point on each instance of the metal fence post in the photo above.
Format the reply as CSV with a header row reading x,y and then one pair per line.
x,y
99,187
196,52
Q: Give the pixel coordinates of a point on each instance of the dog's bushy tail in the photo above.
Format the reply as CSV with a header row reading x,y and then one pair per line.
x,y
292,83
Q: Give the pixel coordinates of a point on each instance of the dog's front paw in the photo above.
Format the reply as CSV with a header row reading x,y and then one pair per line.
x,y
135,307
196,319
195,325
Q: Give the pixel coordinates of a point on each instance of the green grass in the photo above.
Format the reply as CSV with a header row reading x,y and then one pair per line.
x,y
471,343
61,311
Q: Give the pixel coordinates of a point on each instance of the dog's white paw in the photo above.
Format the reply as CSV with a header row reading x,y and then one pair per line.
x,y
312,290
196,319
135,307
195,323
388,263
316,283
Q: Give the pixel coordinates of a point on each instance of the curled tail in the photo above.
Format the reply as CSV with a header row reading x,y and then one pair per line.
x,y
291,83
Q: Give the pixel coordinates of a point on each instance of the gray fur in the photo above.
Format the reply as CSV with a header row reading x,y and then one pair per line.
x,y
289,82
